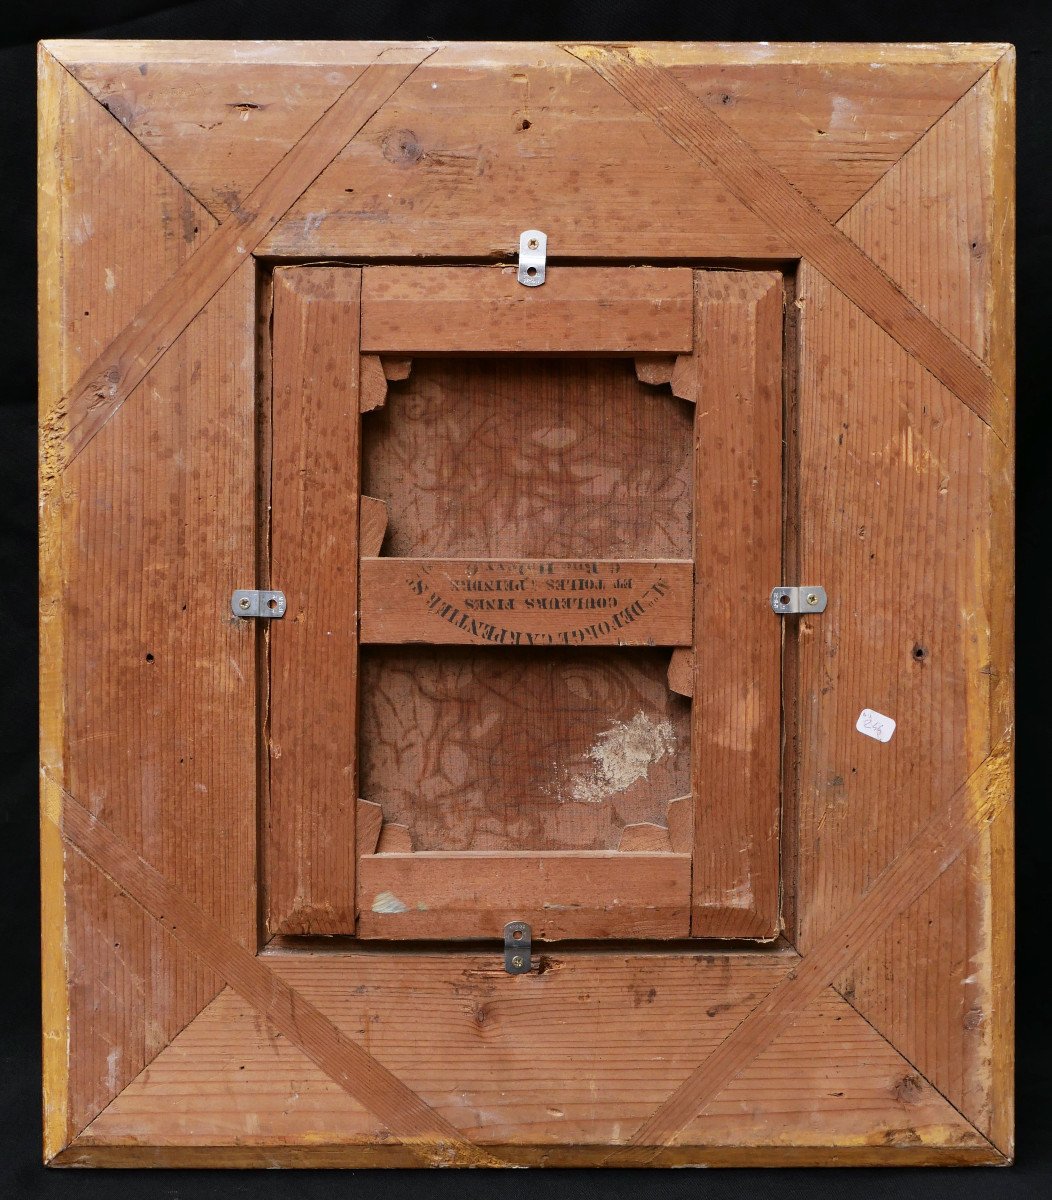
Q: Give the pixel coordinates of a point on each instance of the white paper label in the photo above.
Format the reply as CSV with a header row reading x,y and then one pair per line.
x,y
875,725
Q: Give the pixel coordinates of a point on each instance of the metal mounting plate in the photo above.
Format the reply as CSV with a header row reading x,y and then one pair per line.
x,y
533,256
795,600
247,602
517,941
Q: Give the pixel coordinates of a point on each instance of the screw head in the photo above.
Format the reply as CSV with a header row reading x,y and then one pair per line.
x,y
516,960
812,598
245,602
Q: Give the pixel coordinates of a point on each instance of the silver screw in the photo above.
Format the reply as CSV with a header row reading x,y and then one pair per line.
x,y
812,598
516,960
245,602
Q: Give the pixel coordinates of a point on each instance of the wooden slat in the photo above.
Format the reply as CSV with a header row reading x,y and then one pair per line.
x,y
488,130
555,1027
561,894
263,1093
770,195
909,636
147,689
956,1150
320,53
52,352
736,720
526,602
939,983
420,310
161,682
108,381
309,818
999,107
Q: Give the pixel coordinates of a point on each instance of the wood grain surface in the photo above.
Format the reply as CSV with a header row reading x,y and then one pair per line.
x,y
526,602
919,550
558,893
418,310
871,187
219,115
147,687
484,123
536,1091
351,1066
937,847
312,729
736,717
372,525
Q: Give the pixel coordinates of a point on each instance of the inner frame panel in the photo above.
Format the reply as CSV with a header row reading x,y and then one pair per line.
x,y
474,748
531,458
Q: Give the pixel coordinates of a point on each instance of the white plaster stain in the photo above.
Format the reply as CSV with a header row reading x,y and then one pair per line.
x,y
623,754
388,902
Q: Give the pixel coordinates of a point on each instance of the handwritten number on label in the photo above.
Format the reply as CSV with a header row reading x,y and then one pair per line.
x,y
875,725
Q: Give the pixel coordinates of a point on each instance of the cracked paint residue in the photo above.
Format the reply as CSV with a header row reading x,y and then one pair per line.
x,y
388,902
622,755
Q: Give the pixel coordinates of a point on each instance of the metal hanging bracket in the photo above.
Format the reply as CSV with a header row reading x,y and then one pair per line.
x,y
533,255
517,940
265,605
792,601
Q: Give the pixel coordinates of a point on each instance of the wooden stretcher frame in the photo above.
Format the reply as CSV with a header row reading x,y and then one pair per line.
x,y
879,180
716,338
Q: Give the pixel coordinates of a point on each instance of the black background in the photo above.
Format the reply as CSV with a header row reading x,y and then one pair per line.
x,y
1027,25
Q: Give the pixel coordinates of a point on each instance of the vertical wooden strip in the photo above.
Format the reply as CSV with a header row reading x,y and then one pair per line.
x,y
53,912
161,726
999,308
903,551
736,735
791,630
147,691
940,224
310,815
